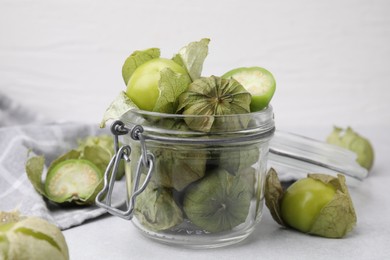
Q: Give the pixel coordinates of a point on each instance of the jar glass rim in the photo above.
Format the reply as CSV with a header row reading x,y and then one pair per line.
x,y
266,111
163,123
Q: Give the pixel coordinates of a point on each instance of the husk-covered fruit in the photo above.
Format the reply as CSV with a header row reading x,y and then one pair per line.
x,y
30,238
318,205
77,175
156,209
69,178
212,97
354,142
175,167
218,202
236,158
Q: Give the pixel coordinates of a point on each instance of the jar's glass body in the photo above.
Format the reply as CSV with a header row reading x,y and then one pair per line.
x,y
206,188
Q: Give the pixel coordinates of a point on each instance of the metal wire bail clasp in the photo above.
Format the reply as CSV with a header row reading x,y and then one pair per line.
x,y
146,160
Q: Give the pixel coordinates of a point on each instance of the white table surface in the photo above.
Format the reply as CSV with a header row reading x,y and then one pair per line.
x,y
331,60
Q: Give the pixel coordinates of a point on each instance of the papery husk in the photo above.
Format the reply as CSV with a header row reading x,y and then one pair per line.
x,y
212,97
273,193
99,150
175,167
30,238
218,202
35,171
237,158
192,57
338,217
351,140
156,209
335,220
136,59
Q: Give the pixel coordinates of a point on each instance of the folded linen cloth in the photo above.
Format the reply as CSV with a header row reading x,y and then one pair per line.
x,y
18,140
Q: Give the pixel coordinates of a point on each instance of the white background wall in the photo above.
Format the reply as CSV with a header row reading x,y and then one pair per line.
x,y
331,59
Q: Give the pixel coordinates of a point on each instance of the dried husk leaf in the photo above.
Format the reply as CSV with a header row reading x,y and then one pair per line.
x,y
156,209
273,196
177,167
338,217
34,170
248,175
213,96
118,107
136,59
239,158
218,202
97,155
171,86
192,57
99,150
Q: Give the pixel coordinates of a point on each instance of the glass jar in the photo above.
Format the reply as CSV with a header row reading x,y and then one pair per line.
x,y
194,181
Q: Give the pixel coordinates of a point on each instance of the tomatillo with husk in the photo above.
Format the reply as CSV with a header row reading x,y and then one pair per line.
x,y
218,202
210,98
70,178
319,204
30,238
353,141
146,85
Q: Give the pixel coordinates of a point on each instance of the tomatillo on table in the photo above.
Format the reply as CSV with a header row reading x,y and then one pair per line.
x,y
30,237
319,204
72,180
76,176
303,201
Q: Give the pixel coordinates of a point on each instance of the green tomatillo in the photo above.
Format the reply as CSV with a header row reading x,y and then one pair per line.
x,y
302,202
319,204
76,176
259,82
144,87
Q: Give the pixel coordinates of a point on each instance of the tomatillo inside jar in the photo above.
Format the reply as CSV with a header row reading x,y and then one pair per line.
x,y
199,189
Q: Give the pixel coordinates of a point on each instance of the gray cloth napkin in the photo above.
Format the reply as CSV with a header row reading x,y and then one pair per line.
x,y
20,138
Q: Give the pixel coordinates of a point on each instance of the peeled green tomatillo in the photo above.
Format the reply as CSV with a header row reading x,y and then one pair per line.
x,y
303,201
144,87
258,81
319,204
